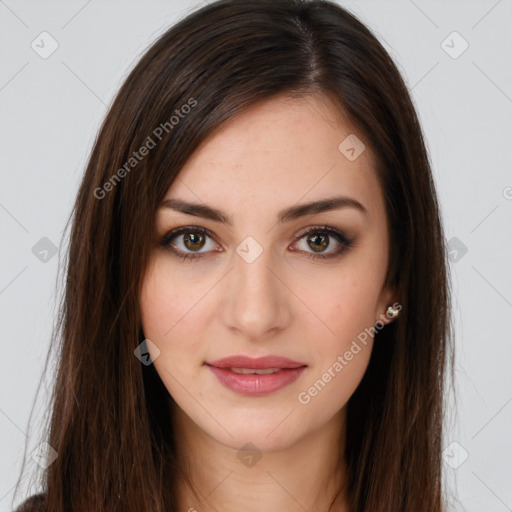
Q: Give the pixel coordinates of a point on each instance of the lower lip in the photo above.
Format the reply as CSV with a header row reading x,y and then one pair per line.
x,y
254,384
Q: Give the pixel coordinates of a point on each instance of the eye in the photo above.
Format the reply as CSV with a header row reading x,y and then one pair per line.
x,y
319,239
193,239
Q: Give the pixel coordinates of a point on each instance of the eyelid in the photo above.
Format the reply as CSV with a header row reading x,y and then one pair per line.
x,y
172,233
320,227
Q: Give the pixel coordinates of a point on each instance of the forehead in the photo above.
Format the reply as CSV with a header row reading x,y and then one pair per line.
x,y
277,152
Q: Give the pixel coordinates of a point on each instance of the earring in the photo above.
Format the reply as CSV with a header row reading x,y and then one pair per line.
x,y
392,312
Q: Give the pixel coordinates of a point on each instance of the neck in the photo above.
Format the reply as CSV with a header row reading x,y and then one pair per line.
x,y
307,475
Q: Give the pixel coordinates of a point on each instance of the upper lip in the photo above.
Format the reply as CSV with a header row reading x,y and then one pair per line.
x,y
240,361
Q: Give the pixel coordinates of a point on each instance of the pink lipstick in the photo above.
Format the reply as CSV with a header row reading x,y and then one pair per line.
x,y
256,376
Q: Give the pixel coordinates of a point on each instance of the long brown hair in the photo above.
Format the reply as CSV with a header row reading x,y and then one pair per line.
x,y
109,417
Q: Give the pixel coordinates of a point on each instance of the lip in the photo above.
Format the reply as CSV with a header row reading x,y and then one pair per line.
x,y
240,361
255,384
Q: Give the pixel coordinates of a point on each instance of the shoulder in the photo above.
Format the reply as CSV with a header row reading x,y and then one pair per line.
x,y
36,503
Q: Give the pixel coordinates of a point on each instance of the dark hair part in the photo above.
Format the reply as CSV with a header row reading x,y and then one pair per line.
x,y
110,419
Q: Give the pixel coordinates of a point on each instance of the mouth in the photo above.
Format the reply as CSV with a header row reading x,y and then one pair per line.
x,y
256,376
258,371
256,363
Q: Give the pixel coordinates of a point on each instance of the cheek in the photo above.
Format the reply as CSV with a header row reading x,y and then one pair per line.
x,y
342,354
169,298
342,329
170,316
346,301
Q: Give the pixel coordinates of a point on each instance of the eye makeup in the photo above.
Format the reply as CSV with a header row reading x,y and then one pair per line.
x,y
198,233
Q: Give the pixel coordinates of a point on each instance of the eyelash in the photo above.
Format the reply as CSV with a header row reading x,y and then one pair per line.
x,y
339,236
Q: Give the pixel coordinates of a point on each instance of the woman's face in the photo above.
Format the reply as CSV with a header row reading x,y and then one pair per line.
x,y
262,286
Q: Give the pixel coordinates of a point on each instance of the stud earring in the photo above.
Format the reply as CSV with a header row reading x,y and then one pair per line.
x,y
392,312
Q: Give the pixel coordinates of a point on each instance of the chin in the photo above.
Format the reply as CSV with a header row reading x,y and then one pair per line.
x,y
269,431
247,439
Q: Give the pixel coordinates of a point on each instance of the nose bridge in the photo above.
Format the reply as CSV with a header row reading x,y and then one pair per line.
x,y
257,303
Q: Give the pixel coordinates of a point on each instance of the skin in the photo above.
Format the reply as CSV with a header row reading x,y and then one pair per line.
x,y
279,153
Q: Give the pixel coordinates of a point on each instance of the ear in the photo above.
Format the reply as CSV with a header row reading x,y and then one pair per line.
x,y
388,297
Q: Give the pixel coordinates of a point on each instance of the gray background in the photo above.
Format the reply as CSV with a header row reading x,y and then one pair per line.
x,y
51,109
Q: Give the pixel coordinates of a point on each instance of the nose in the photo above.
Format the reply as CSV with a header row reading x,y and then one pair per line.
x,y
258,301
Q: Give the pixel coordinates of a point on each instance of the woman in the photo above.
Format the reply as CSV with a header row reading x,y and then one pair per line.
x,y
256,314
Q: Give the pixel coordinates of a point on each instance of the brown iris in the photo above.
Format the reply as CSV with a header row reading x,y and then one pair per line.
x,y
196,239
321,242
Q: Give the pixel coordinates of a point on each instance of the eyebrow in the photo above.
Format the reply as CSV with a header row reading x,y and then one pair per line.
x,y
288,214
